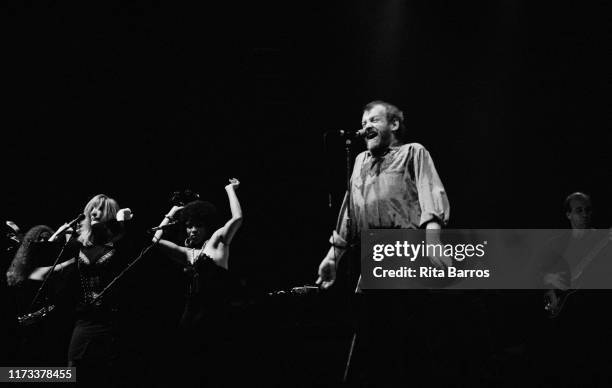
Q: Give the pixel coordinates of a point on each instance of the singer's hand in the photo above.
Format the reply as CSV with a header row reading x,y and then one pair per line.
x,y
234,183
59,231
558,280
17,231
433,238
174,210
327,273
124,214
69,233
441,262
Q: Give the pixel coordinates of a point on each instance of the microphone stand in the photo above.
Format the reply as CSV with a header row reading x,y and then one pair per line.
x,y
131,264
347,136
122,273
349,218
350,245
50,273
349,237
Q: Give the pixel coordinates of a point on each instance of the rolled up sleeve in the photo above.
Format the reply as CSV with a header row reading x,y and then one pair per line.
x,y
432,196
340,236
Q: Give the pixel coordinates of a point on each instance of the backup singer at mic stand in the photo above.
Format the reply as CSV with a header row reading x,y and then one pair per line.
x,y
393,185
93,348
41,338
205,259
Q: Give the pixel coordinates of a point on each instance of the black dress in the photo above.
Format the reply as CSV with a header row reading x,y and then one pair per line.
x,y
209,287
203,335
94,335
94,339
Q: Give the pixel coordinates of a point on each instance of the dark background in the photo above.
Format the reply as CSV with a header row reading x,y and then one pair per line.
x,y
138,99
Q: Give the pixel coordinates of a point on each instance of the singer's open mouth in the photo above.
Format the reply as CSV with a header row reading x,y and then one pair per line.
x,y
371,135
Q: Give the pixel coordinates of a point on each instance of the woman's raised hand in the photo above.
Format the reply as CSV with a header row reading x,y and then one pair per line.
x,y
234,183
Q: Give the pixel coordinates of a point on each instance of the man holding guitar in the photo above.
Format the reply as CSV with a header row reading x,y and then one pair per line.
x,y
574,342
578,252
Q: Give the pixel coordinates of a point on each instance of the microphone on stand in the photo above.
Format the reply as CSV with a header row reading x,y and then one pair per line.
x,y
73,223
355,134
162,227
67,228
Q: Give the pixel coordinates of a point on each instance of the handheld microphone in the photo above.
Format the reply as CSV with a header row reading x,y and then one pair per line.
x,y
297,291
162,227
305,290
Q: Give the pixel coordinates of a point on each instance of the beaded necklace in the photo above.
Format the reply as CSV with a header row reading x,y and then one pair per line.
x,y
194,285
194,257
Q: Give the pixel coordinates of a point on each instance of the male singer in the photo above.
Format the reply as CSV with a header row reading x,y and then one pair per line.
x,y
393,185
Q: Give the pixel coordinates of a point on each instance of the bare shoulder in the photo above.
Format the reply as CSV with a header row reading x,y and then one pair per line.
x,y
216,238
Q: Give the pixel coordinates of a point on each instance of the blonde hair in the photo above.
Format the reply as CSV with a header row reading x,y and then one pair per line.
x,y
108,207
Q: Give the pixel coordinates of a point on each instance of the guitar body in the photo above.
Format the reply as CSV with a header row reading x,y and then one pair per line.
x,y
554,301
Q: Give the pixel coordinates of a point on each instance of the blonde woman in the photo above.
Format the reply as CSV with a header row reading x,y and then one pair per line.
x,y
93,344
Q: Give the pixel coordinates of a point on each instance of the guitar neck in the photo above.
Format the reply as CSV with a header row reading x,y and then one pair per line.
x,y
589,257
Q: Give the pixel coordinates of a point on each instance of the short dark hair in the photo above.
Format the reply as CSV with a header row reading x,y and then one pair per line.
x,y
572,196
393,113
200,213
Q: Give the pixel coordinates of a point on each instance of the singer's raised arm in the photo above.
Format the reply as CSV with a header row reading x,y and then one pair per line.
x,y
217,247
227,232
199,220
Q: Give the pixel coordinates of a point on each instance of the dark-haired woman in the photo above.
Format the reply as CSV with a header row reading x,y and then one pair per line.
x,y
205,259
198,218
41,334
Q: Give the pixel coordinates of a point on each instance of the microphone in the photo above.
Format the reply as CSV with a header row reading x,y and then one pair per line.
x,y
355,134
305,290
297,291
67,227
73,223
162,227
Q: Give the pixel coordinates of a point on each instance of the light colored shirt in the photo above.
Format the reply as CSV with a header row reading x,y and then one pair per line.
x,y
400,189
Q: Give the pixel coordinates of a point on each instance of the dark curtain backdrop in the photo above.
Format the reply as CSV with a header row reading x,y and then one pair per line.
x,y
139,99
